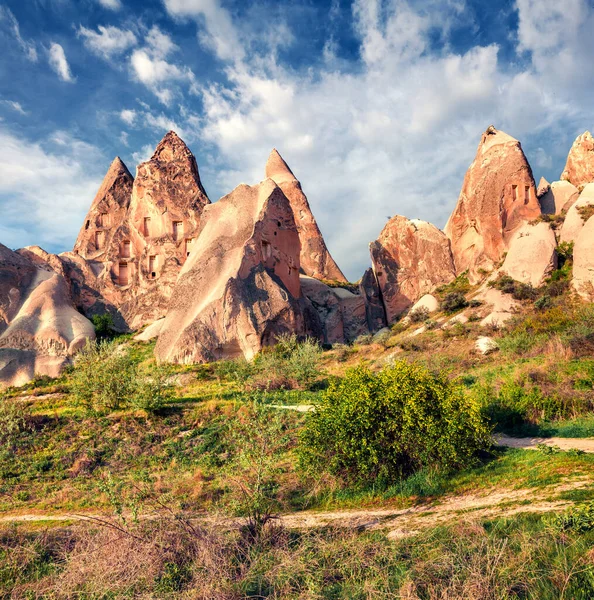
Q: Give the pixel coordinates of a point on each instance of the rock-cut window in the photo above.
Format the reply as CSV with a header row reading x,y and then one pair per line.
x,y
123,274
99,239
152,267
147,226
514,192
189,243
126,249
178,230
526,194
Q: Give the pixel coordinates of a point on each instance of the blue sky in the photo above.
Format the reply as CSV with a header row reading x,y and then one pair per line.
x,y
377,105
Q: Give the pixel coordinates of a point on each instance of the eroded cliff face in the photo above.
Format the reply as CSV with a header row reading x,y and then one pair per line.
x,y
410,258
240,288
498,196
139,233
579,168
316,260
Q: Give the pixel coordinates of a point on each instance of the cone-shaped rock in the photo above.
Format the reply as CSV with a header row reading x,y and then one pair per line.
x,y
543,187
316,260
579,168
39,328
107,212
498,196
410,258
240,287
142,241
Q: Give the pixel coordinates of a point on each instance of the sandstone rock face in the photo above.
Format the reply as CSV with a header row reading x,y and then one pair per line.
x,y
532,254
342,314
498,196
500,307
543,187
583,262
240,287
139,233
39,328
316,260
374,307
410,258
560,196
574,221
579,169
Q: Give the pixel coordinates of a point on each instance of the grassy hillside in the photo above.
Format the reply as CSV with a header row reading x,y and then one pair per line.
x,y
147,494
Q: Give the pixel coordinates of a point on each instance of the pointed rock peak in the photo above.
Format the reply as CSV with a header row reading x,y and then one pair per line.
x,y
543,187
277,169
493,137
171,147
579,168
118,167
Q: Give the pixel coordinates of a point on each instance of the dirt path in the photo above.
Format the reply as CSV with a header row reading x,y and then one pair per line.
x,y
531,443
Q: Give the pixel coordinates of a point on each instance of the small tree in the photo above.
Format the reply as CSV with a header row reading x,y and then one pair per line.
x,y
387,425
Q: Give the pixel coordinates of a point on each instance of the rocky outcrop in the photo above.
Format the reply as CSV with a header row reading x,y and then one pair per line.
x,y
139,233
577,215
342,313
560,196
532,254
579,168
543,187
410,258
316,260
583,262
499,307
39,328
498,196
428,302
239,288
374,307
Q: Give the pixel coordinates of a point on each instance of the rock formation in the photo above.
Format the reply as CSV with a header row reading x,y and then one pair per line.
x,y
39,328
497,197
577,215
558,198
583,262
374,307
316,260
428,302
543,187
532,254
138,233
342,314
579,168
410,258
240,288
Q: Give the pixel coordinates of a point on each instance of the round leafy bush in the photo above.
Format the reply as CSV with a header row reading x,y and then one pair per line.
x,y
453,301
384,426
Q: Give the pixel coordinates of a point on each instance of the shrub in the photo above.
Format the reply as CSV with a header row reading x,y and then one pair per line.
x,y
453,301
460,285
384,426
364,339
543,302
13,419
519,291
579,519
419,315
104,325
107,378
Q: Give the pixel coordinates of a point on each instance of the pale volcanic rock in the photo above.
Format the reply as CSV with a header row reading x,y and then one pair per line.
x,y
141,232
151,332
500,307
342,313
316,260
583,262
532,254
427,302
374,307
497,197
543,187
579,168
560,196
240,288
574,221
39,328
486,345
410,259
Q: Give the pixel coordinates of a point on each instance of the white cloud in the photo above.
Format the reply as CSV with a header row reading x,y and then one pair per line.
x,y
58,62
111,4
128,116
16,106
124,138
219,32
143,154
107,41
69,172
9,20
150,67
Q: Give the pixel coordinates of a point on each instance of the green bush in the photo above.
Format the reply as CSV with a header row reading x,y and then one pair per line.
x,y
419,315
519,291
579,519
384,426
104,325
106,378
13,419
453,301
